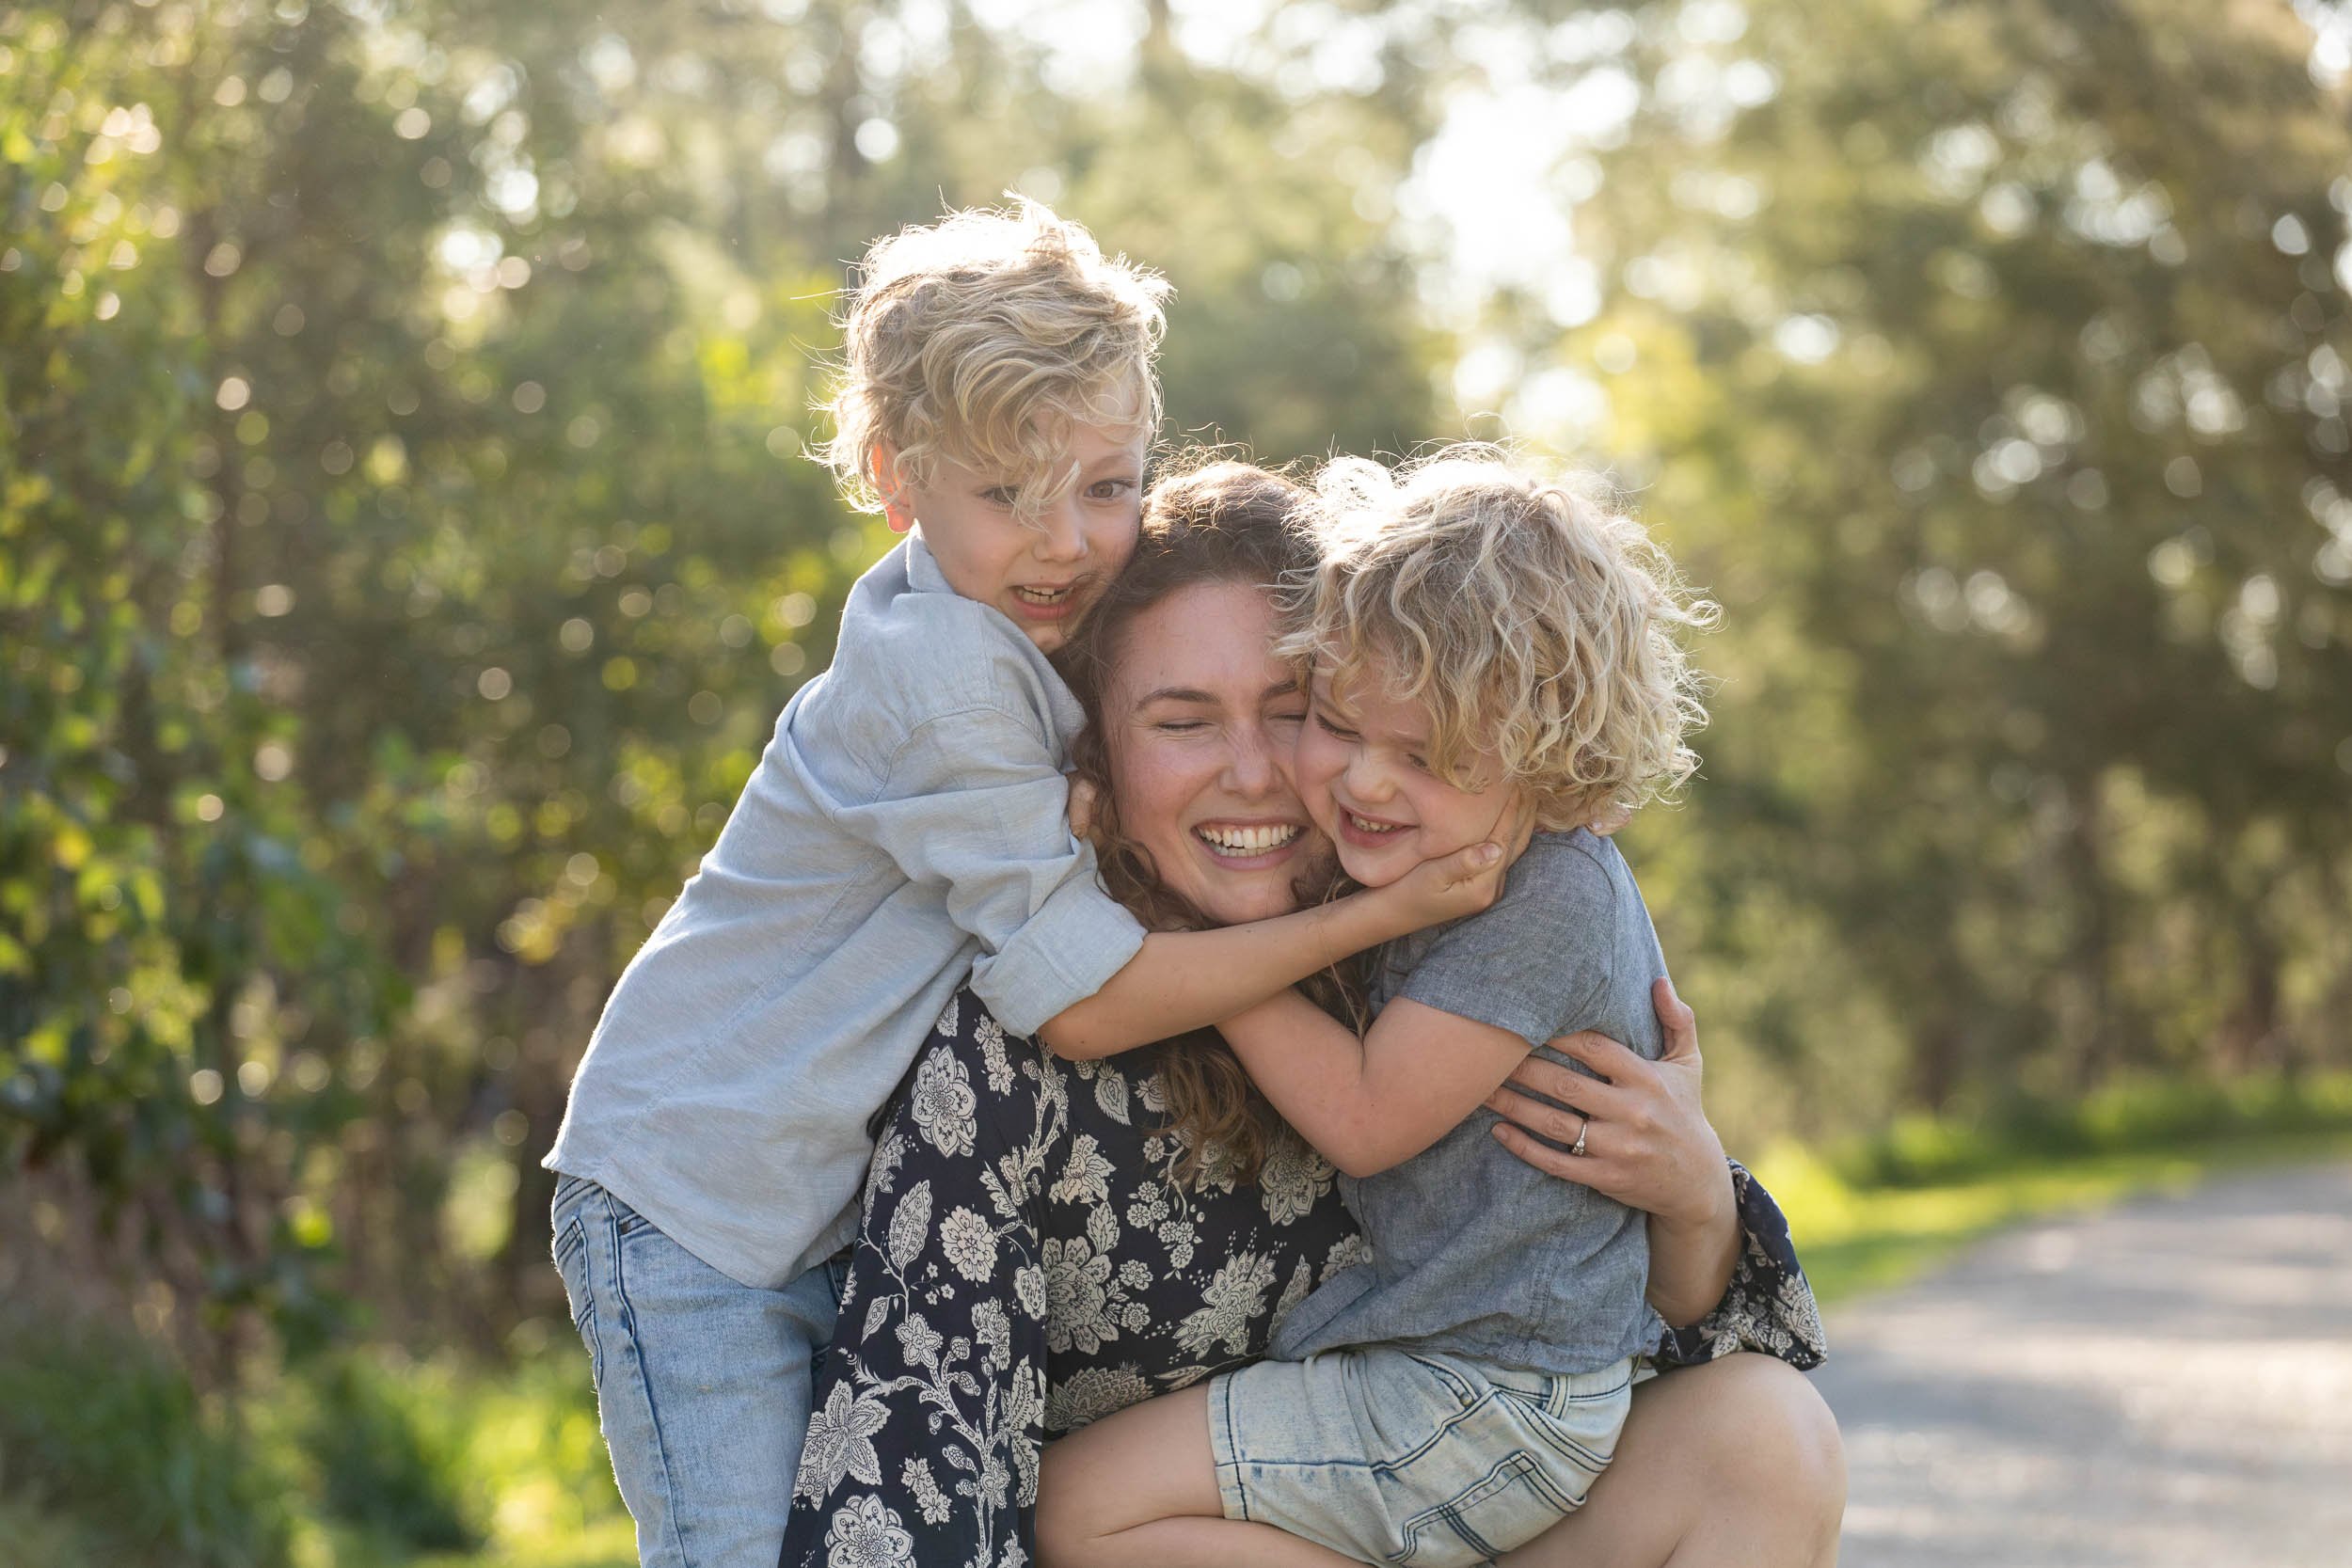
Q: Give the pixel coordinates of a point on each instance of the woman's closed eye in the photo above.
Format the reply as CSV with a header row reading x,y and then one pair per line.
x,y
1323,721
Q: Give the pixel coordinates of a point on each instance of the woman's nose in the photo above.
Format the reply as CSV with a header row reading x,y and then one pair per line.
x,y
1253,765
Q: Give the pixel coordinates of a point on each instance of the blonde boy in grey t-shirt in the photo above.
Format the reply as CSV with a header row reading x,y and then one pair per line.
x,y
906,828
1491,658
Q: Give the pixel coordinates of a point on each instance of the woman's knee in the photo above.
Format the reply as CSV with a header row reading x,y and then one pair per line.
x,y
1773,1442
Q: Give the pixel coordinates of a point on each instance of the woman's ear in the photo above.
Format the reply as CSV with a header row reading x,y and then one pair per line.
x,y
898,506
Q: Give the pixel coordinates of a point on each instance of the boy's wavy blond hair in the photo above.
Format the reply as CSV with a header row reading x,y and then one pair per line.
x,y
1531,619
985,337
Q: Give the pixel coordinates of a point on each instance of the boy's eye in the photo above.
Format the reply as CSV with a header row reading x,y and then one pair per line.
x,y
1420,762
1110,489
1001,495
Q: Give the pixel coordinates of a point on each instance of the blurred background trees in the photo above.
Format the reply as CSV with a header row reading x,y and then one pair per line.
x,y
407,538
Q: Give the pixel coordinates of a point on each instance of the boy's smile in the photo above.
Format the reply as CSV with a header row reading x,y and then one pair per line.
x,y
1042,572
1363,772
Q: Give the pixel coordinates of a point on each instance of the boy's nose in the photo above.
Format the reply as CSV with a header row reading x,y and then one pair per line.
x,y
1061,534
1366,779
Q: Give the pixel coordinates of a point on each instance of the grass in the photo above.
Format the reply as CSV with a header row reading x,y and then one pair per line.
x,y
369,1459
1875,1213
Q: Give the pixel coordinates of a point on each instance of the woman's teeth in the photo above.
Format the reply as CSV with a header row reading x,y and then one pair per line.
x,y
1247,841
1365,825
1042,595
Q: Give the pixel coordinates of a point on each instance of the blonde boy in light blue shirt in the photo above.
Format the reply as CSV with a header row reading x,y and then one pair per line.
x,y
905,830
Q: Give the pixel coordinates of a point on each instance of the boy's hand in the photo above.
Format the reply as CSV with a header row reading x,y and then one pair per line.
x,y
1083,807
1461,883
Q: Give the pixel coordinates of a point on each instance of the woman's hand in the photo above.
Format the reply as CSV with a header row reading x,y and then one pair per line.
x,y
1647,1143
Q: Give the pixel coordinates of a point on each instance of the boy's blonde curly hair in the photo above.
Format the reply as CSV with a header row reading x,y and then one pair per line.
x,y
985,337
1531,619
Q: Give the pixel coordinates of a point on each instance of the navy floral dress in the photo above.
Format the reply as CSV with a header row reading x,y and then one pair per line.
x,y
1028,1263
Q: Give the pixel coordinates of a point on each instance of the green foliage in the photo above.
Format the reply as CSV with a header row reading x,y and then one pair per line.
x,y
1871,1212
386,1456
110,1447
2134,1117
407,544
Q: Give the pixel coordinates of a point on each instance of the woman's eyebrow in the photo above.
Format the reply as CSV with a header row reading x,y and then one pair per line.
x,y
1175,694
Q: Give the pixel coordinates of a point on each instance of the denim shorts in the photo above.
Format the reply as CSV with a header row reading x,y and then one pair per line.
x,y
703,1384
1411,1457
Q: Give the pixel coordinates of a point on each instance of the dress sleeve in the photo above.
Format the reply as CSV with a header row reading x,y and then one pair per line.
x,y
973,801
1769,1305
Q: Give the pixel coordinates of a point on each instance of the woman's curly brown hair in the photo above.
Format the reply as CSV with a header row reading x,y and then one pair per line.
x,y
1215,521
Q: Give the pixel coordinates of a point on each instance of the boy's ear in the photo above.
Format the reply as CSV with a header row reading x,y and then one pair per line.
x,y
897,509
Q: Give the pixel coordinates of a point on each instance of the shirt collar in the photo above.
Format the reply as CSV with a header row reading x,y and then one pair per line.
x,y
923,572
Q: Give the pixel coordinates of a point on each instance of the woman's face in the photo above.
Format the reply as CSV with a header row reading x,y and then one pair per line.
x,y
1202,724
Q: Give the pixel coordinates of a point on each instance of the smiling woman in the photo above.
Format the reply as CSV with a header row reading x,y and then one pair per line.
x,y
1046,1240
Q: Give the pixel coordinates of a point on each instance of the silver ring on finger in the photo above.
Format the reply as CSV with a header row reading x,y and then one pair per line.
x,y
1584,1125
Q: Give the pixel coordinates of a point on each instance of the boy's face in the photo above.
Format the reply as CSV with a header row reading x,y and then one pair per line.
x,y
1043,572
1364,776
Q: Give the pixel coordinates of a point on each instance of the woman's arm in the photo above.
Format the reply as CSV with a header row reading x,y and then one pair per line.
x,y
1647,1144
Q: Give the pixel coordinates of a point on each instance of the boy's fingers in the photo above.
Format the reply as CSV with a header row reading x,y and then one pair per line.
x,y
1082,802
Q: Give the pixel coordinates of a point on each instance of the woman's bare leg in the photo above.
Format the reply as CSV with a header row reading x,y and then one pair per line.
x,y
1733,1464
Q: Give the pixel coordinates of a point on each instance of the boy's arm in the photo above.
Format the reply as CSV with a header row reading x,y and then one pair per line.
x,y
1374,1102
972,802
1180,980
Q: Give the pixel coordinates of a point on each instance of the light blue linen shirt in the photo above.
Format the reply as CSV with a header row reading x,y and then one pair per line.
x,y
905,828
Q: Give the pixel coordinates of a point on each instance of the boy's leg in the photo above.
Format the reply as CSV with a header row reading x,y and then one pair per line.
x,y
1140,1487
702,1383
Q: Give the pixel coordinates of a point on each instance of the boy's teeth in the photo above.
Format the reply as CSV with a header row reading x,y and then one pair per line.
x,y
1365,825
1249,841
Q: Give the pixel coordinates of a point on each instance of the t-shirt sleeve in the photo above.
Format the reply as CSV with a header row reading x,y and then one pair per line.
x,y
1537,962
973,801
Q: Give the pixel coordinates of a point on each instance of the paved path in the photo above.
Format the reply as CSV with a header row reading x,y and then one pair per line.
x,y
2163,1385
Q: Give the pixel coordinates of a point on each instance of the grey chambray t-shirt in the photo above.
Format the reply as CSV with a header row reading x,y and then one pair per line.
x,y
1473,1251
906,828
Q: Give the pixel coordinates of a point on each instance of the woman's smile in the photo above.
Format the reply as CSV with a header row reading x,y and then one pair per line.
x,y
1249,844
1203,724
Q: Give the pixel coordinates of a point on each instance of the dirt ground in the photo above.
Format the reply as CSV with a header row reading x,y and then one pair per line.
x,y
2163,1385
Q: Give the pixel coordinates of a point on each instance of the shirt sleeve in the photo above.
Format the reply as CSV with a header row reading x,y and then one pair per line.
x,y
1537,962
974,802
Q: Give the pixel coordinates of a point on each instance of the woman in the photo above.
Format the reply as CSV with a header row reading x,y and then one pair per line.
x,y
1045,1242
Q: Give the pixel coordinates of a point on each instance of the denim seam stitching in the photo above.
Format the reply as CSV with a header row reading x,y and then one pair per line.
x,y
645,1385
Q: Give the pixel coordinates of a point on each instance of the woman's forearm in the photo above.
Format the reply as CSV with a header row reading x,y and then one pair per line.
x,y
1690,1258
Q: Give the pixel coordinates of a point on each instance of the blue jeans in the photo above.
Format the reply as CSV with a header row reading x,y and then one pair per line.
x,y
702,1383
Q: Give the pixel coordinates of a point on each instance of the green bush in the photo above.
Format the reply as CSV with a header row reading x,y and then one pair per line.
x,y
106,1445
2142,1117
389,1458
